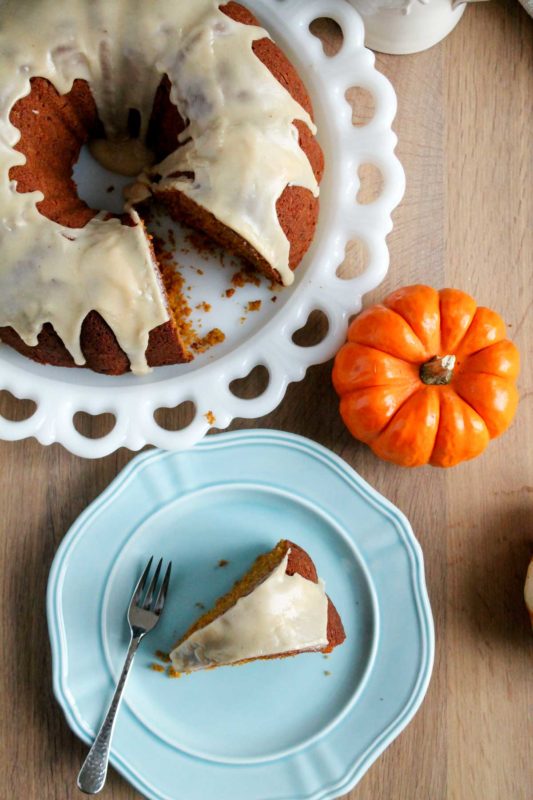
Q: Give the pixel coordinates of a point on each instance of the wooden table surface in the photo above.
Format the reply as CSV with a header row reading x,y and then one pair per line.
x,y
465,125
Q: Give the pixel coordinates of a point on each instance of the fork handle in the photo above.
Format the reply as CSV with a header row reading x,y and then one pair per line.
x,y
92,775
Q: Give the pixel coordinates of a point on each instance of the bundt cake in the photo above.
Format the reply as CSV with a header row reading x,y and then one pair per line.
x,y
279,608
196,101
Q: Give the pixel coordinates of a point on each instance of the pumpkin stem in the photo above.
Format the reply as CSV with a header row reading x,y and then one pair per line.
x,y
438,371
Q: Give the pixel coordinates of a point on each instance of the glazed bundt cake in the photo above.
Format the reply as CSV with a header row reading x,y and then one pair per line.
x,y
279,608
196,101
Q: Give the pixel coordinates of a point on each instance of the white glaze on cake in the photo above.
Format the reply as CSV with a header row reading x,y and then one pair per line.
x,y
283,614
240,143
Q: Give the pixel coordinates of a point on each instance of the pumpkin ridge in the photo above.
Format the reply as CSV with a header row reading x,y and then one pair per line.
x,y
461,340
406,294
502,419
407,400
480,310
460,396
416,388
415,384
437,429
442,420
372,351
460,371
368,313
388,353
380,350
417,337
461,368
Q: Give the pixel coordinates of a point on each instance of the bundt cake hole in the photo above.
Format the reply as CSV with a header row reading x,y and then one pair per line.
x,y
177,418
15,410
330,34
362,103
356,259
252,385
93,426
99,187
370,183
314,331
75,186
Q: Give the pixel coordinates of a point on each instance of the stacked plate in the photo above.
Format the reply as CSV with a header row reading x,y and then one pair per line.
x,y
305,728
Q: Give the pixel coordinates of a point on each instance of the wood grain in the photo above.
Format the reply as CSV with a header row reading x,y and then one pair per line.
x,y
465,124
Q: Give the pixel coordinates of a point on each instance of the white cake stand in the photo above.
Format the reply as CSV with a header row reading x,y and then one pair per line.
x,y
264,337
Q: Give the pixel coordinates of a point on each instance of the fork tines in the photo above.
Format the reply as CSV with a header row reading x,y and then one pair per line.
x,y
148,603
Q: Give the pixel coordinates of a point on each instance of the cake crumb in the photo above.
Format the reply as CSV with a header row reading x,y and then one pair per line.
x,y
110,189
273,299
215,336
173,282
229,292
173,673
223,562
242,320
162,656
200,606
238,279
199,271
179,306
210,417
327,673
254,305
244,276
157,667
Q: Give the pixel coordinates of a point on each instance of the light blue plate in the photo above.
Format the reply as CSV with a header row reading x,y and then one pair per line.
x,y
298,729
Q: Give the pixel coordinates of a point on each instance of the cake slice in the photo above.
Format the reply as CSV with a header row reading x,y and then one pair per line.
x,y
279,608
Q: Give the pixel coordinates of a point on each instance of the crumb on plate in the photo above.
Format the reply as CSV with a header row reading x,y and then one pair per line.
x,y
162,656
215,336
173,673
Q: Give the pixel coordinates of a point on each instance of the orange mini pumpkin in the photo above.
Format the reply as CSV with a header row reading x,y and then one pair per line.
x,y
427,377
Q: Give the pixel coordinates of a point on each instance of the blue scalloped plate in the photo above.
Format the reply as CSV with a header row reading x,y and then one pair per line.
x,y
298,729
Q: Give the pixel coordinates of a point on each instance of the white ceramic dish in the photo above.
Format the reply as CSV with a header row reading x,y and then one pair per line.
x,y
266,336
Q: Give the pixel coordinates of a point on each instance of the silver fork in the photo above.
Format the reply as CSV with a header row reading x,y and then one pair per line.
x,y
143,616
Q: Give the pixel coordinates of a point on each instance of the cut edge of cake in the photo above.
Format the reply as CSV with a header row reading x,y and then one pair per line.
x,y
300,563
